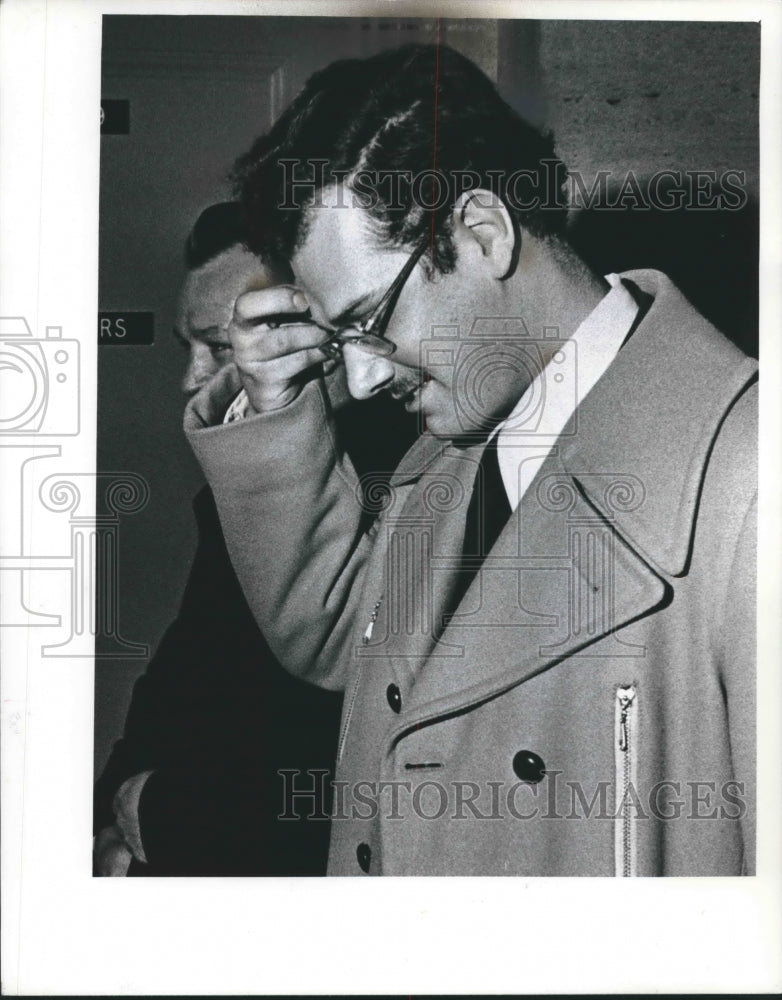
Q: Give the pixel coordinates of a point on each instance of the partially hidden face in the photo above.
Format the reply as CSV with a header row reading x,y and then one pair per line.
x,y
206,305
344,271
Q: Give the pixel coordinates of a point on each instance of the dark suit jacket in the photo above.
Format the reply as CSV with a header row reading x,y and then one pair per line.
x,y
217,718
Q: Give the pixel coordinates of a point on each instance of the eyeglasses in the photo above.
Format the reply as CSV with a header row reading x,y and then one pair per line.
x,y
369,334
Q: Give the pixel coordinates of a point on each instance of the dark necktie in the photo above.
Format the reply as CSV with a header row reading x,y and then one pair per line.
x,y
487,515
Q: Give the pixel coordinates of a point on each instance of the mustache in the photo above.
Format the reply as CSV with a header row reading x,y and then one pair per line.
x,y
405,384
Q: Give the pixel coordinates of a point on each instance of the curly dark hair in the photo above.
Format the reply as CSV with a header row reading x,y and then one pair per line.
x,y
407,131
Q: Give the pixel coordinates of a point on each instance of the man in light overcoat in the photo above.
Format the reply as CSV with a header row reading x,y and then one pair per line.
x,y
545,632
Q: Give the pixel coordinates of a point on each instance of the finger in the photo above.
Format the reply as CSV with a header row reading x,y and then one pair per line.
x,y
281,371
384,349
251,307
266,343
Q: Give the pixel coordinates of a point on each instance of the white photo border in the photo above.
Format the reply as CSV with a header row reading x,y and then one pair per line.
x,y
67,933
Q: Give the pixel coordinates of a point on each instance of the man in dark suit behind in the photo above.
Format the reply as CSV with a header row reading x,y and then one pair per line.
x,y
195,787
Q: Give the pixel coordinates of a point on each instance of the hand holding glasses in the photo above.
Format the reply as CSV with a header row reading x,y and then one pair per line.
x,y
370,334
275,340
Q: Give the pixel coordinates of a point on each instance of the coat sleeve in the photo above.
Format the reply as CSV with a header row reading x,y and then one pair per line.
x,y
289,501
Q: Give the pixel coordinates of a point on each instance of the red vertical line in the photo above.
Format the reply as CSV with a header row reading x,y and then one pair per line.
x,y
434,124
434,137
434,167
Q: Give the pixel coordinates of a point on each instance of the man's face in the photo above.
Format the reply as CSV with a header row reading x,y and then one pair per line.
x,y
344,273
206,305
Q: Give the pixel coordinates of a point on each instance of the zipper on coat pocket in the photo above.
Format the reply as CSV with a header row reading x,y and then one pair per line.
x,y
372,619
366,637
348,712
625,760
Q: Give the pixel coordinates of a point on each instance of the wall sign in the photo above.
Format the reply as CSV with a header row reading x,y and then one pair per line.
x,y
126,328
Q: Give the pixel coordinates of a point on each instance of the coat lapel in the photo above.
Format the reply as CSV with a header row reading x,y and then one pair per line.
x,y
602,530
419,543
559,579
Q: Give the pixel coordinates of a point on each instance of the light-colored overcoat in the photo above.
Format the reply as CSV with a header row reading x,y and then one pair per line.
x,y
589,707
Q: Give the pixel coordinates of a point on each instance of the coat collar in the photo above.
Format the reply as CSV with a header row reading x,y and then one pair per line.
x,y
676,375
653,418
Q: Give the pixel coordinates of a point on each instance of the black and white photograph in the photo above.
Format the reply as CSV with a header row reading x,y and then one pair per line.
x,y
519,648
404,506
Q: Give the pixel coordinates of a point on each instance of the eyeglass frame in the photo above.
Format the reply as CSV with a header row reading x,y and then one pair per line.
x,y
376,323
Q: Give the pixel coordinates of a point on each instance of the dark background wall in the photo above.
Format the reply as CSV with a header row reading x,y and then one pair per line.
x,y
647,97
619,96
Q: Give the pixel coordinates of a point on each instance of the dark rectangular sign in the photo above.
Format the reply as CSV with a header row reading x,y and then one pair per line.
x,y
126,328
114,117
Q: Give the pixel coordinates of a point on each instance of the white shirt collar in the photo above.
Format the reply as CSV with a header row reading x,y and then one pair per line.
x,y
546,409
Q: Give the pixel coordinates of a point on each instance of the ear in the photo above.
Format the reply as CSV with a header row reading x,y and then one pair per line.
x,y
482,218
